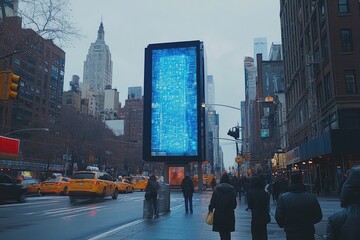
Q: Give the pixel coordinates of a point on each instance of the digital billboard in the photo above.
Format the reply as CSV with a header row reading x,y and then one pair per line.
x,y
173,92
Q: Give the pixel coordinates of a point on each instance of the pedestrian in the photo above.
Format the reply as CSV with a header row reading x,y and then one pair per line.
x,y
235,182
344,224
283,185
246,187
276,191
187,187
317,186
297,211
223,201
327,186
151,192
213,183
345,175
258,203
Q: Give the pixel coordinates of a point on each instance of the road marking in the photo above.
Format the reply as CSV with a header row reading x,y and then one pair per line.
x,y
115,230
118,229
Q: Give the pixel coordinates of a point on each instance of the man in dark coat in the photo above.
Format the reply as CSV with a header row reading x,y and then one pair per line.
x,y
297,211
344,225
187,187
258,203
151,190
223,200
235,182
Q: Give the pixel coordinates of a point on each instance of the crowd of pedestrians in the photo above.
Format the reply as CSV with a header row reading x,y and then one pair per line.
x,y
297,211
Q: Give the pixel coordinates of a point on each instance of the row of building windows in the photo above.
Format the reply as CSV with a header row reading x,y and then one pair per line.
x,y
344,6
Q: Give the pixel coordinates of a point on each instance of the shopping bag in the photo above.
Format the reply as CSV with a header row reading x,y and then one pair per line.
x,y
210,218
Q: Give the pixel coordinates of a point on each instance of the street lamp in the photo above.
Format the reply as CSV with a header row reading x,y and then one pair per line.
x,y
27,129
204,105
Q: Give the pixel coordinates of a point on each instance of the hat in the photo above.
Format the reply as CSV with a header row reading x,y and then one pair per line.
x,y
350,192
225,178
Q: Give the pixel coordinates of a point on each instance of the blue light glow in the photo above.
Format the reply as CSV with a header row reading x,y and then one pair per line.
x,y
174,114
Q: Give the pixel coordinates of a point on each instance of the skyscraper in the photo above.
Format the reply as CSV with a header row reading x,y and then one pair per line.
x,y
260,46
98,64
135,92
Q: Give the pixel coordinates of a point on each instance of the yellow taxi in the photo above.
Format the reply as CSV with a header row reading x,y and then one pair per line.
x,y
139,182
125,186
92,184
32,186
55,184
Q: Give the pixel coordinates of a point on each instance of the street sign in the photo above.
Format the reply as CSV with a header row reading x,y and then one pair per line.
x,y
9,146
239,159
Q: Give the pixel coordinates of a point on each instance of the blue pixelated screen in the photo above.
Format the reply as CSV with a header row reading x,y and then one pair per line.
x,y
174,116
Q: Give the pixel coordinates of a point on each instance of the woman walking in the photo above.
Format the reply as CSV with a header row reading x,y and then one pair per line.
x,y
258,203
223,200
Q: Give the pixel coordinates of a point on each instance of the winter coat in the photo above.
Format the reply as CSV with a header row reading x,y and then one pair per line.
x,y
258,203
152,188
187,187
344,225
297,211
223,200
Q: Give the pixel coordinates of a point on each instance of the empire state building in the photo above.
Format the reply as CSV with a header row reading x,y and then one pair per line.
x,y
98,64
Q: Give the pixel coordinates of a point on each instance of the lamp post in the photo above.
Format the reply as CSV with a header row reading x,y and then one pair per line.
x,y
27,129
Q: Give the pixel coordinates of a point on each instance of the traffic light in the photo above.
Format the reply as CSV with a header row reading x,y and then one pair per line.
x,y
234,132
247,155
12,86
2,85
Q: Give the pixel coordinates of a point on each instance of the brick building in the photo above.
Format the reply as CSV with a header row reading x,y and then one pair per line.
x,y
322,64
40,64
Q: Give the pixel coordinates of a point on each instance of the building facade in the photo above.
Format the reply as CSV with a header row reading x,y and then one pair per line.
x,y
322,65
135,92
40,65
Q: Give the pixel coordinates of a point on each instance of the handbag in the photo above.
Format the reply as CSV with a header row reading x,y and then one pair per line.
x,y
210,218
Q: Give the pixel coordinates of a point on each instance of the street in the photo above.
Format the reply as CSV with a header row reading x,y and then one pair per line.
x,y
53,217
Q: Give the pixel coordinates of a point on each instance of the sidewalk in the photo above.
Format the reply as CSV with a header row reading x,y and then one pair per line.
x,y
177,225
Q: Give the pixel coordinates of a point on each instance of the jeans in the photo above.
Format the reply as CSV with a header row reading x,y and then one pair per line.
x,y
188,201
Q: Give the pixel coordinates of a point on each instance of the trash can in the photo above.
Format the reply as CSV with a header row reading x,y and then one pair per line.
x,y
163,201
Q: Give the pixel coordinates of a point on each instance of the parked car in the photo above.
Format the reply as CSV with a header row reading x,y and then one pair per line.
x,y
139,182
32,186
57,185
125,186
10,189
92,184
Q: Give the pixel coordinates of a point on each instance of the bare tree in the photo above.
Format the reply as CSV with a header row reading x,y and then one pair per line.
x,y
50,19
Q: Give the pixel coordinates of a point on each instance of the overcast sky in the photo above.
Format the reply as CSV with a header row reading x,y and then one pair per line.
x,y
227,28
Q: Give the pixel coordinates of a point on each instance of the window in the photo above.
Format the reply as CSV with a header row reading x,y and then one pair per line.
x,y
344,6
346,40
350,81
325,48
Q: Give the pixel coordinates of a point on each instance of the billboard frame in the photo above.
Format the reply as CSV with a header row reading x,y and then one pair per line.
x,y
148,94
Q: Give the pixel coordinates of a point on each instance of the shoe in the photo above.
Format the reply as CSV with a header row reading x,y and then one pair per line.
x,y
191,211
156,216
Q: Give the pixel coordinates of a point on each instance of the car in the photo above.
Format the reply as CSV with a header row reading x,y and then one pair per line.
x,y
92,184
32,186
10,189
139,182
125,186
57,185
